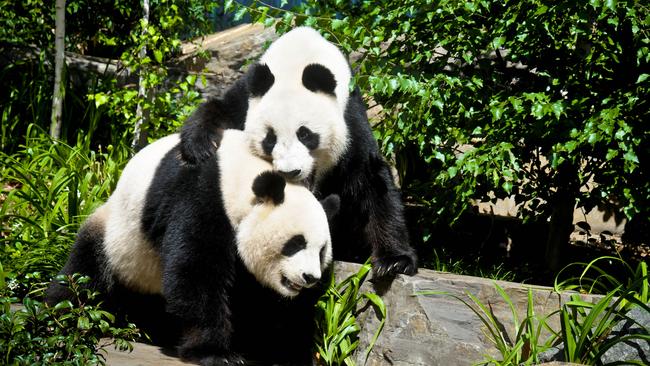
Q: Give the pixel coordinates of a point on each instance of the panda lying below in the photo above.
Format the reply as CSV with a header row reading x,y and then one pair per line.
x,y
235,269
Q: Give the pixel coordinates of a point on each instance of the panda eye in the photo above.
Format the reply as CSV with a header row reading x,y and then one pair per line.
x,y
269,141
308,138
322,254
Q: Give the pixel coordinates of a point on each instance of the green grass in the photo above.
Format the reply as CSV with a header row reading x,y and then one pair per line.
x,y
596,279
443,262
585,331
585,326
49,187
337,328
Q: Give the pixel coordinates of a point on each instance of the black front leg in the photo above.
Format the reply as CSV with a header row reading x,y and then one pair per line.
x,y
372,216
198,274
386,229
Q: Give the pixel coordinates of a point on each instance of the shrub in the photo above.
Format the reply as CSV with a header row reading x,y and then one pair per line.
x,y
49,188
66,334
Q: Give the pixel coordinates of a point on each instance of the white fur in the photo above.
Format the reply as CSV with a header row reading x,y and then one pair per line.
x,y
131,256
263,227
288,105
288,55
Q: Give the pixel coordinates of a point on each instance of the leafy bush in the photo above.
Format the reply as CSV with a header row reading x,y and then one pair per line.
x,y
66,334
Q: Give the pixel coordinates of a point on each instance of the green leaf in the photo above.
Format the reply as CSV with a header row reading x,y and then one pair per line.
x,y
611,154
642,78
158,56
100,99
83,323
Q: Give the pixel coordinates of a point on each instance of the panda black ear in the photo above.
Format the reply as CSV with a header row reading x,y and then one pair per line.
x,y
331,204
317,77
269,186
260,79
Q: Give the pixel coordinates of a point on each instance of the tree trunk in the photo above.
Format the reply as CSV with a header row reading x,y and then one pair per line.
x,y
561,224
141,115
59,61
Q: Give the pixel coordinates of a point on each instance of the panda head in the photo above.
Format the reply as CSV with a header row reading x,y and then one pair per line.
x,y
285,240
297,99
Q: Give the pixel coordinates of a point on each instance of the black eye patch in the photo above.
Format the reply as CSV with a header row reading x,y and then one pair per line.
x,y
269,141
308,138
294,245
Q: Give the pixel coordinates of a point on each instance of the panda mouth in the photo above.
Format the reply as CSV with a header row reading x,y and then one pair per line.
x,y
291,285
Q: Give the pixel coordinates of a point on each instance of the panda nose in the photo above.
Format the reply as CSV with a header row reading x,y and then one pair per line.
x,y
309,279
292,174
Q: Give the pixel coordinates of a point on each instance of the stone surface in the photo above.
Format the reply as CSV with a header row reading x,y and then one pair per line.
x,y
143,355
638,323
439,329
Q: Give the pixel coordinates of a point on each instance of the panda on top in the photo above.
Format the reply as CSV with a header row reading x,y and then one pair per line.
x,y
297,111
225,251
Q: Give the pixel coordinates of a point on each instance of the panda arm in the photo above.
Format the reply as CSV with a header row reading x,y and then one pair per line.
x,y
198,273
202,131
386,229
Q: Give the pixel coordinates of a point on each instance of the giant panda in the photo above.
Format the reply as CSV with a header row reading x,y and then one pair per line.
x,y
231,252
297,110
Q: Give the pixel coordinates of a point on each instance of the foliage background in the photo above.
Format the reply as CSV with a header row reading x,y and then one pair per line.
x,y
546,102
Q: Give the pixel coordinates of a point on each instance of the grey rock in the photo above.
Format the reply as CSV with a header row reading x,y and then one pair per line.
x,y
439,329
637,322
552,354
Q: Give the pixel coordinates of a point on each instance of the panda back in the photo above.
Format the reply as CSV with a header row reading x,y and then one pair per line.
x,y
131,254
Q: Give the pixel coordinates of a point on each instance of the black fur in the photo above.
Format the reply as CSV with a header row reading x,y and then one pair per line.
x,y
270,185
371,211
308,138
319,78
261,79
211,306
294,245
331,204
86,257
269,142
371,218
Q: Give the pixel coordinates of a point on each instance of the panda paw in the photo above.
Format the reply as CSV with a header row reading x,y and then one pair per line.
x,y
393,265
232,360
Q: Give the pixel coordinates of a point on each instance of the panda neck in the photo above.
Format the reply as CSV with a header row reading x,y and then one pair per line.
x,y
238,168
